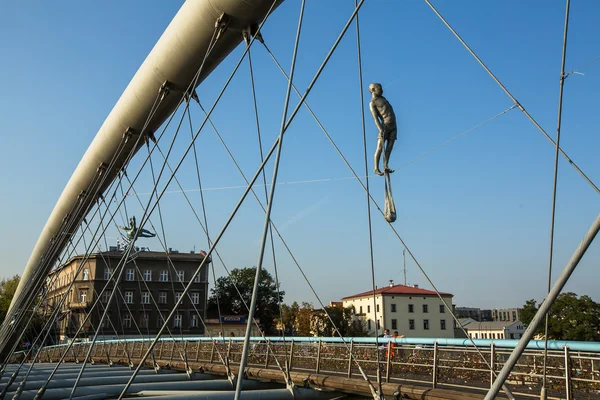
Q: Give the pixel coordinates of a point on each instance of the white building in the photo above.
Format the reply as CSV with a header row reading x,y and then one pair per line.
x,y
411,311
495,330
506,314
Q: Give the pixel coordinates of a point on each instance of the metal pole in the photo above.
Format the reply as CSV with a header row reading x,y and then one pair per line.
x,y
544,307
404,256
435,365
268,348
291,357
318,366
556,156
350,358
568,390
244,358
388,361
493,362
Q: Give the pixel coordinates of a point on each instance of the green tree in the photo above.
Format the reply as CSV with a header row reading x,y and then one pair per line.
x,y
343,318
267,304
570,318
8,287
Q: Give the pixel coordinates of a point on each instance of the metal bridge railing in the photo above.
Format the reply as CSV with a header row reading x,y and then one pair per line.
x,y
570,374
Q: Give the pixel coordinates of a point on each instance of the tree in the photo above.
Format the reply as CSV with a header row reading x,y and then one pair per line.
x,y
343,318
8,287
570,318
267,304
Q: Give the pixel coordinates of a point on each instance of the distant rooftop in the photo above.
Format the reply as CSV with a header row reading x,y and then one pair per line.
x,y
398,290
490,325
140,254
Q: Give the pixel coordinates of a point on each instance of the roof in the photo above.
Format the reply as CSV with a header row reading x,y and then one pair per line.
x,y
141,254
398,290
490,325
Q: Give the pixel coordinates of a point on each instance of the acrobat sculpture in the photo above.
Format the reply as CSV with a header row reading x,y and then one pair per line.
x,y
385,119
132,229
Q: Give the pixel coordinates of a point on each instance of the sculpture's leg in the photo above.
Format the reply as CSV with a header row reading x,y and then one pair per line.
x,y
378,152
386,157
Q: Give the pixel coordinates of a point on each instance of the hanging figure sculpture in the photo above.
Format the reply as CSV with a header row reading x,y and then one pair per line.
x,y
132,229
385,120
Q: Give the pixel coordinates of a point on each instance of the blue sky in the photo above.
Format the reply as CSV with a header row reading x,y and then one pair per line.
x,y
476,213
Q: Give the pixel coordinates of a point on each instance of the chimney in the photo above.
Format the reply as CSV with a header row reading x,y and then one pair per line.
x,y
416,286
391,283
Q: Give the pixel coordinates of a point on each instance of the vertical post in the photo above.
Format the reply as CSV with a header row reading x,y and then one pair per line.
x,y
493,362
198,343
172,351
160,350
593,370
350,359
568,391
268,350
388,361
318,366
212,351
291,357
435,365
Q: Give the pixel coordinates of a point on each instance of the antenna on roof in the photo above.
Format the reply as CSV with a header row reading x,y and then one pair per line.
x,y
404,256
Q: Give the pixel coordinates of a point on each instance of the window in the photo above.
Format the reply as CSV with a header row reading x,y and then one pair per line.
x,y
425,308
195,298
443,324
177,297
378,324
393,307
126,320
197,278
194,321
105,296
360,312
426,324
514,316
160,321
106,322
177,321
86,274
164,276
411,324
107,273
368,309
162,298
145,297
377,307
144,320
369,325
129,297
394,324
411,308
181,275
148,275
129,275
82,296
442,309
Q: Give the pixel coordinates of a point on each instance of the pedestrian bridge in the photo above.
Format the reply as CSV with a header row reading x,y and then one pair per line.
x,y
408,368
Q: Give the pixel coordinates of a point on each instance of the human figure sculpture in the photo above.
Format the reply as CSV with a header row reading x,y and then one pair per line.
x,y
385,120
132,228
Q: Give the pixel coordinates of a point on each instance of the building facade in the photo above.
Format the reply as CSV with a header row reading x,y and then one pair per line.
x,y
495,330
410,310
151,282
476,313
506,314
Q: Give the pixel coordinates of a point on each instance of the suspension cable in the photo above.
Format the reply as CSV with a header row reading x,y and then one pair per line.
x,y
369,223
589,181
264,176
212,265
395,232
554,185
